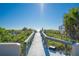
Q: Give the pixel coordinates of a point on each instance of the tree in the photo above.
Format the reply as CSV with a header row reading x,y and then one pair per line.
x,y
71,23
24,29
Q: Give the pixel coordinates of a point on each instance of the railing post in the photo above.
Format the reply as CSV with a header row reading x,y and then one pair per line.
x,y
10,49
75,49
28,43
45,43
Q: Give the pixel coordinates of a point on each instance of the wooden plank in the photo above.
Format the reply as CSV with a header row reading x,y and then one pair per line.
x,y
36,48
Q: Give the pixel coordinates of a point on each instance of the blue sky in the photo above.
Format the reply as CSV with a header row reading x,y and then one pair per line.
x,y
30,15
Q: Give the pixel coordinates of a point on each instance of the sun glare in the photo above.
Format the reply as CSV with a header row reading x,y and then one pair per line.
x,y
42,7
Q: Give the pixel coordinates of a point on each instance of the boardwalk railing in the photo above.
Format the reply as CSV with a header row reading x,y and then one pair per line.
x,y
45,43
75,46
10,49
28,43
55,39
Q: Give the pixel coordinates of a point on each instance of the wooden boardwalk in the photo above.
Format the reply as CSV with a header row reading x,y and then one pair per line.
x,y
36,48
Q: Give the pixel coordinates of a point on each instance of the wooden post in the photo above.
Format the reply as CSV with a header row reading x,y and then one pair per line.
x,y
75,49
10,49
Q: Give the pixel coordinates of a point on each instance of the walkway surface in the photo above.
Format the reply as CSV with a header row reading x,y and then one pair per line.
x,y
36,48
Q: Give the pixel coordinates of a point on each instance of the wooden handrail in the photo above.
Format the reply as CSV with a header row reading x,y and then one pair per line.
x,y
28,42
55,39
29,38
74,45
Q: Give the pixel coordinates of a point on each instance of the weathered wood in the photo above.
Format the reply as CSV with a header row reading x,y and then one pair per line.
x,y
57,40
36,48
45,43
10,49
75,49
28,42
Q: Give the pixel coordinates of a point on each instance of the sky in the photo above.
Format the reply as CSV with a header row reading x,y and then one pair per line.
x,y
33,15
